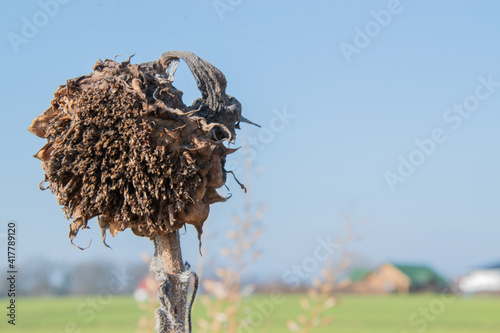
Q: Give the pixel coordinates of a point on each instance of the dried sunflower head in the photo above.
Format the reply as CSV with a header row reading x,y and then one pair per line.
x,y
123,147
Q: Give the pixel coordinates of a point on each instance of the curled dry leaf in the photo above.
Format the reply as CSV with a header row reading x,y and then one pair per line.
x,y
122,146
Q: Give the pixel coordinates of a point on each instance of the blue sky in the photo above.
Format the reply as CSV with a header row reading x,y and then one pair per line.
x,y
350,119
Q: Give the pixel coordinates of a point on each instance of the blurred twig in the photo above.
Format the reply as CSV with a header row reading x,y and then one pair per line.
x,y
320,296
226,291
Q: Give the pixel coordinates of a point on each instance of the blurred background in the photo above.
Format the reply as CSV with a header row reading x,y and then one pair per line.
x,y
380,116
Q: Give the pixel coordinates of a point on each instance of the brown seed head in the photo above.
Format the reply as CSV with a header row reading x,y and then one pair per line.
x,y
122,146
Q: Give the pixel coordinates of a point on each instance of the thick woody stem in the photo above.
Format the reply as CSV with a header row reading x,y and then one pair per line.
x,y
173,278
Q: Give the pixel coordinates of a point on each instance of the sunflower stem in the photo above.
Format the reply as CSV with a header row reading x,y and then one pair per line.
x,y
173,278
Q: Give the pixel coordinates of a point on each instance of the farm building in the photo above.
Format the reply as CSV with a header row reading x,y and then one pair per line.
x,y
482,280
393,278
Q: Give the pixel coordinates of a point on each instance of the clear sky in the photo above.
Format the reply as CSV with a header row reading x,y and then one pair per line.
x,y
349,94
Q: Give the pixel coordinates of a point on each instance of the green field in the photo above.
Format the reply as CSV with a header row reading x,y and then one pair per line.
x,y
353,314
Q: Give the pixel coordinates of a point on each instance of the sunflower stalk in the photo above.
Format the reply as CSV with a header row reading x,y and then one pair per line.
x,y
173,277
123,147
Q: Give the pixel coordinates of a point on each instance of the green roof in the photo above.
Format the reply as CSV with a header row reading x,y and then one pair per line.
x,y
421,275
359,274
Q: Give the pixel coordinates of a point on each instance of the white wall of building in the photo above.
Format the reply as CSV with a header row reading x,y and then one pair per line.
x,y
480,280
